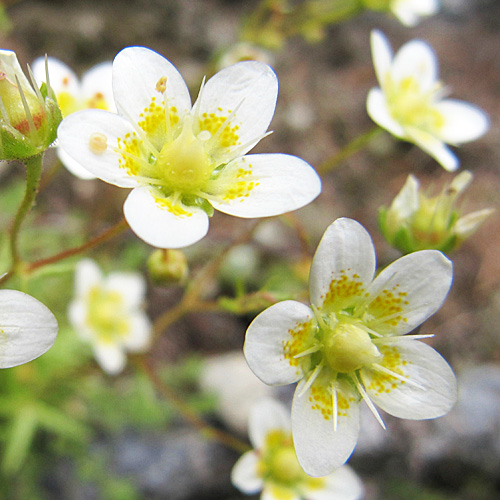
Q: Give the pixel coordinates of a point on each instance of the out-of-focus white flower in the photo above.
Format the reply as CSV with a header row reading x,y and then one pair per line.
x,y
351,344
273,467
408,12
27,328
182,161
416,221
410,105
94,91
107,312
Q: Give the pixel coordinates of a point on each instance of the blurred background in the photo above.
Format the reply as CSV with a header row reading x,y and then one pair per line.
x,y
98,437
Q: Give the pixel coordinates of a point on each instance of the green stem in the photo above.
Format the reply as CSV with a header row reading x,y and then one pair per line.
x,y
187,412
349,150
33,174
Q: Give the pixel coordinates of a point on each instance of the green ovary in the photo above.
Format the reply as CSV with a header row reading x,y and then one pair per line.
x,y
105,314
410,106
184,166
349,348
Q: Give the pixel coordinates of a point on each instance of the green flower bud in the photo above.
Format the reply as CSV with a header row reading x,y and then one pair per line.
x,y
168,266
29,116
416,221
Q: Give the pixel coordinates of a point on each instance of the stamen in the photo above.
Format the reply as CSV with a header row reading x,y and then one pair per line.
x,y
335,406
319,317
248,145
385,370
144,163
312,349
368,401
311,379
223,127
35,86
50,90
147,143
397,338
27,110
168,125
196,110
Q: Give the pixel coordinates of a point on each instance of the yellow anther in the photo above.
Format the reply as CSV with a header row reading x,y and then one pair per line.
x,y
98,143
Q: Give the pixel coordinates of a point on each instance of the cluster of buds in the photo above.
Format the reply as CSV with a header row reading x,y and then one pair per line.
x,y
29,116
415,221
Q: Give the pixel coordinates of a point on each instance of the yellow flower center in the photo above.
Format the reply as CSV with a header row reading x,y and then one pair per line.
x,y
184,164
105,314
410,106
285,467
349,348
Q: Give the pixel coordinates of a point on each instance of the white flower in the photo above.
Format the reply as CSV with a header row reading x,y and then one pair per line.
x,y
273,467
94,91
27,328
416,221
350,345
409,12
181,160
410,102
107,312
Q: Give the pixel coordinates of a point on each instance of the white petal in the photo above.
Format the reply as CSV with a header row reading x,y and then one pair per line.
x,y
466,225
434,147
381,55
267,415
266,337
75,167
77,315
409,12
418,60
98,80
87,275
244,474
320,448
343,484
463,121
422,365
139,337
75,133
136,73
265,185
110,357
406,202
346,249
377,109
249,89
409,291
131,287
62,77
158,226
27,328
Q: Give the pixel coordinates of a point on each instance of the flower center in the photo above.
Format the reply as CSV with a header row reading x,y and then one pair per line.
x,y
410,106
184,164
285,467
105,314
349,348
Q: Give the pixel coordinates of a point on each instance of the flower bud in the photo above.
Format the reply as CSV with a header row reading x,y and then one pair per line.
x,y
29,116
416,221
168,266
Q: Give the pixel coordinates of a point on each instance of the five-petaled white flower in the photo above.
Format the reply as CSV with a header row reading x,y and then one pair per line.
x,y
107,312
94,91
350,345
183,161
273,467
27,328
410,102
